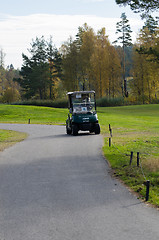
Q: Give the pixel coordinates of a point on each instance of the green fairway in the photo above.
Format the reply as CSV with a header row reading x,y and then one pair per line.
x,y
134,128
37,115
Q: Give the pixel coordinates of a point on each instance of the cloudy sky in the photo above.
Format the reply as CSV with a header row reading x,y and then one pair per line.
x,y
21,21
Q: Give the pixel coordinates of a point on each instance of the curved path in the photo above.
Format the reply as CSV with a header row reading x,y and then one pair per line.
x,y
54,186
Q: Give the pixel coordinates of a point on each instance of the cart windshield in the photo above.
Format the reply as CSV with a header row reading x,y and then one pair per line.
x,y
83,103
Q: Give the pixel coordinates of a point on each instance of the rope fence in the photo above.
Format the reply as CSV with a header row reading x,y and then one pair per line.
x,y
138,162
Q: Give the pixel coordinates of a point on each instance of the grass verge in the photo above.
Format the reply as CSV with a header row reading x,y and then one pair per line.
x,y
136,129
9,138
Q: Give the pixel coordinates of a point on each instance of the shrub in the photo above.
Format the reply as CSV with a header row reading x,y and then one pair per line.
x,y
110,102
60,103
10,95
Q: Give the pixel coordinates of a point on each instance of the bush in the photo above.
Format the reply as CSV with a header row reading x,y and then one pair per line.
x,y
60,103
10,95
110,102
155,101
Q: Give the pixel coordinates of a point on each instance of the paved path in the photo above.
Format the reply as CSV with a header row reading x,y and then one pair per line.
x,y
54,186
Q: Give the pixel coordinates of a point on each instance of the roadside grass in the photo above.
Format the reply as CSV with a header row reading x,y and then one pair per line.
x,y
134,128
9,138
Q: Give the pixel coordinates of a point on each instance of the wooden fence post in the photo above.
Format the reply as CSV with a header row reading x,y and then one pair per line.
x,y
138,159
147,190
109,142
110,130
131,157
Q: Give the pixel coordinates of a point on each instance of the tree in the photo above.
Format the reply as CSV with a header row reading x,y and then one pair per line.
x,y
9,90
140,74
151,23
145,84
128,58
100,64
114,73
85,43
55,73
144,6
150,32
70,53
2,56
90,62
3,81
36,72
123,28
76,59
55,70
11,95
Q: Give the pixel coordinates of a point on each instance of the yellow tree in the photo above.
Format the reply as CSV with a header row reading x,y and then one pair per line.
x,y
76,59
100,64
85,42
114,73
146,71
140,75
106,68
55,70
91,63
70,65
53,79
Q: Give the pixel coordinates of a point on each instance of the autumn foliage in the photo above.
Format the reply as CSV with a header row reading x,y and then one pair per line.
x,y
88,62
91,62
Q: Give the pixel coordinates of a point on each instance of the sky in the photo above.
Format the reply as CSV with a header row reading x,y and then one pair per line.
x,y
21,21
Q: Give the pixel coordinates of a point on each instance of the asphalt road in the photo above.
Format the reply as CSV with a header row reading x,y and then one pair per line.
x,y
54,186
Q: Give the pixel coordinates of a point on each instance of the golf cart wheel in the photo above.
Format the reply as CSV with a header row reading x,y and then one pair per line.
x,y
97,129
74,130
68,131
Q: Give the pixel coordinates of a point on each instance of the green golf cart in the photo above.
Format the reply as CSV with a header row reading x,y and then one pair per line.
x,y
82,113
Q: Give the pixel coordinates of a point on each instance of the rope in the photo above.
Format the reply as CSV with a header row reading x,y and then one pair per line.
x,y
120,151
142,171
140,164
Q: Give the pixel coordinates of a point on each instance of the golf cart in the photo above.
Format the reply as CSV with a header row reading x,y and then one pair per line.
x,y
82,113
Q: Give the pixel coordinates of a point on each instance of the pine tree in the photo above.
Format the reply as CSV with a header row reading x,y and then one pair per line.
x,y
35,70
151,23
143,6
37,75
123,28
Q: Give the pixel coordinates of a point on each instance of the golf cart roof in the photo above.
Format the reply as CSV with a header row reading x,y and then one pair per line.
x,y
80,92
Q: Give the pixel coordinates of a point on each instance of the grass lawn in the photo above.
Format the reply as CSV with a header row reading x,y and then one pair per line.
x,y
37,115
135,128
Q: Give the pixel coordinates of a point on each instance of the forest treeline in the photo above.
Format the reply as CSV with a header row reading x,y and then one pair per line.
x,y
88,62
